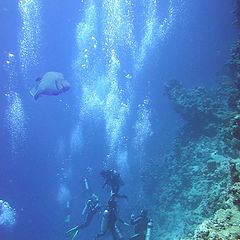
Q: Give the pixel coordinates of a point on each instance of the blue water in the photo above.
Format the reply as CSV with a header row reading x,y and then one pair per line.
x,y
116,56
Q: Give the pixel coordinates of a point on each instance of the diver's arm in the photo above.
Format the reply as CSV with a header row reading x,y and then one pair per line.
x,y
124,223
104,184
96,208
135,220
100,235
84,210
99,209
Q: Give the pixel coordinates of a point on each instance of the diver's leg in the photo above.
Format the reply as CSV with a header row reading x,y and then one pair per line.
x,y
87,222
116,234
100,234
117,188
137,237
121,196
113,232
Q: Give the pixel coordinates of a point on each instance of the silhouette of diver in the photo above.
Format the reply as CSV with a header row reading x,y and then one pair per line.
x,y
141,224
113,179
109,220
90,209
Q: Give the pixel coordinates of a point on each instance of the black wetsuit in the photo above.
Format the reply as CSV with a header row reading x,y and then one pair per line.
x,y
140,224
111,212
92,209
113,179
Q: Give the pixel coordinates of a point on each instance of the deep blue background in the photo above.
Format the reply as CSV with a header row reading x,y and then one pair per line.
x,y
195,50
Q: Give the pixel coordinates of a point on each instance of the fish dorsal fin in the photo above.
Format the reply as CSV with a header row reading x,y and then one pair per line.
x,y
39,79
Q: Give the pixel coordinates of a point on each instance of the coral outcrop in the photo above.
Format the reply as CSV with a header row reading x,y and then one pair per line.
x,y
225,225
194,105
207,114
237,12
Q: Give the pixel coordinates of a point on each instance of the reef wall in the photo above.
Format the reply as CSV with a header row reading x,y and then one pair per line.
x,y
202,184
197,194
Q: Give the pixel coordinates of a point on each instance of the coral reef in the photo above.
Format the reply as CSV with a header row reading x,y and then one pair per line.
x,y
207,114
202,185
194,104
201,189
197,195
237,12
224,225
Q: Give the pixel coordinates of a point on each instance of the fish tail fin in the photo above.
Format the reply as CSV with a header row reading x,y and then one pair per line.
x,y
33,92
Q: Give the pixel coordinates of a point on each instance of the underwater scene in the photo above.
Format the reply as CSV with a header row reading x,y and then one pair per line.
x,y
119,119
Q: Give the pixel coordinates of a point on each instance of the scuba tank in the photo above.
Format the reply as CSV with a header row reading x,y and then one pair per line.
x,y
86,184
85,208
104,223
118,233
68,204
149,229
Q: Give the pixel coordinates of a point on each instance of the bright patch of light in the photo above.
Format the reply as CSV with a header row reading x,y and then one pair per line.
x,y
7,214
143,127
14,114
107,82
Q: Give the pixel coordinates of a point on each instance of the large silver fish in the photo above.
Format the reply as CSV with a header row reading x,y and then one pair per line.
x,y
51,83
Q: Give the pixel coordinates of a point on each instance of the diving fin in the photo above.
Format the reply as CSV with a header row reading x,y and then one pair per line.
x,y
72,232
67,220
75,235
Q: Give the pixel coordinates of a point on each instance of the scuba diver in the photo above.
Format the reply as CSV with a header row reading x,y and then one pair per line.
x,y
90,209
109,220
68,212
113,179
142,225
68,209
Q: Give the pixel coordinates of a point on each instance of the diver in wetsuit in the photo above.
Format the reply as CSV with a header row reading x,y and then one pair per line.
x,y
113,179
90,209
141,224
109,220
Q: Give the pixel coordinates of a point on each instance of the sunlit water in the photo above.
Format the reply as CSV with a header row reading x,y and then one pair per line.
x,y
108,61
29,40
14,113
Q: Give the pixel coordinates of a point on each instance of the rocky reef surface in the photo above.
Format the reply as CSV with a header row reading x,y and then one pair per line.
x,y
201,184
198,195
197,192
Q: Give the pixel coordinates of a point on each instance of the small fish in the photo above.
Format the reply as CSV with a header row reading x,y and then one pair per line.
x,y
128,76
